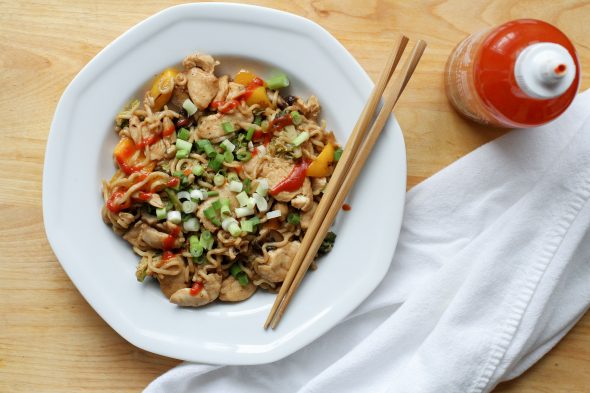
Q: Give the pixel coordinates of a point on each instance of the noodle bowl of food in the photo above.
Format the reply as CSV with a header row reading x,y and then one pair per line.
x,y
183,167
217,180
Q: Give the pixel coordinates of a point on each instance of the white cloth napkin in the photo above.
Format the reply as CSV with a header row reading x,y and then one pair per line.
x,y
491,270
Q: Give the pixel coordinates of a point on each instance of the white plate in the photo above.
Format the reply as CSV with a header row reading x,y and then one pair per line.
x,y
102,265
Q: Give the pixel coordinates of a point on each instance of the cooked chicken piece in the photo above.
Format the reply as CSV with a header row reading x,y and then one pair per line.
x,y
202,61
222,89
157,150
234,90
283,208
202,87
148,218
307,216
318,184
125,219
135,126
169,284
144,236
277,169
251,165
279,260
302,202
224,192
210,292
310,109
210,126
233,291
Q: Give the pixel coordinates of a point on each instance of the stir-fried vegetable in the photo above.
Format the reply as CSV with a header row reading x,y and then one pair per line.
x,y
327,244
321,166
162,88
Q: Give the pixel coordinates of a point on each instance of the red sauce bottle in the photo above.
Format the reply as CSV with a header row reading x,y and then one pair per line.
x,y
521,74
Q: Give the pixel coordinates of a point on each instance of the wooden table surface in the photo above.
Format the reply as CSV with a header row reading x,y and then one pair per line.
x,y
50,338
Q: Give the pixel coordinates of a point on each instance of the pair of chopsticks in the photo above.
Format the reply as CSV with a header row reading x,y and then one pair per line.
x,y
354,156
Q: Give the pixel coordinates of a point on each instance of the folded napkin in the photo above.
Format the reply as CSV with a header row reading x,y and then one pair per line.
x,y
491,271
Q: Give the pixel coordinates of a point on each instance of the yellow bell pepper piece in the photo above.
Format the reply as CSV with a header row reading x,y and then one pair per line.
x,y
244,77
320,167
259,97
163,82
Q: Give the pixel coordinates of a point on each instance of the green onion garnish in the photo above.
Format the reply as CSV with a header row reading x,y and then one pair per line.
x,y
198,170
247,185
227,127
235,269
232,176
181,153
189,107
257,120
183,145
173,198
216,204
242,278
249,134
227,145
278,82
255,220
228,156
216,163
243,155
195,246
337,154
212,194
296,118
293,218
218,180
299,139
206,240
242,198
183,134
161,213
210,151
247,226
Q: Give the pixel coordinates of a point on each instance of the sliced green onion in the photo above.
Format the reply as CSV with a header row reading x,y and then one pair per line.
x,y
234,229
183,195
251,203
211,215
227,127
173,198
278,82
218,180
273,214
198,170
216,204
195,246
296,118
161,213
188,207
183,134
255,220
247,185
206,240
301,138
235,186
244,211
242,278
224,210
212,193
262,188
227,222
257,120
216,163
202,142
261,203
189,107
337,154
242,198
191,225
235,269
227,145
228,156
183,145
243,155
250,133
197,195
247,226
182,153
210,151
232,176
293,218
174,217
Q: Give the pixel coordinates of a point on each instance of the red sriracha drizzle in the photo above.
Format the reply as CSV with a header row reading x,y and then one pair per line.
x,y
168,243
294,180
144,196
279,123
224,106
173,182
196,288
167,255
115,207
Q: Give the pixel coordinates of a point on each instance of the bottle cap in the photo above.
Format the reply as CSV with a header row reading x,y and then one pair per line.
x,y
544,70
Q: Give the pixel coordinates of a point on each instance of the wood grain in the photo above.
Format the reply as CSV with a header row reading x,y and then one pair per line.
x,y
50,339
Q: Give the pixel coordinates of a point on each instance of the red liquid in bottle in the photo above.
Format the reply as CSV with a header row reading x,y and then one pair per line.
x,y
481,76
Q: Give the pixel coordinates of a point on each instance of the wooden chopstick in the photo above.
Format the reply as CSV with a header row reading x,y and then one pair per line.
x,y
343,166
391,98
